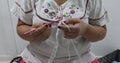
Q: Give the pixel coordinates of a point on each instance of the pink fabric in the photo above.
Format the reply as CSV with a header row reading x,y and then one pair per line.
x,y
22,61
95,61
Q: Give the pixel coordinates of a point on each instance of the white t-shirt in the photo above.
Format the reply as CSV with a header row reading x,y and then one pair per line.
x,y
37,11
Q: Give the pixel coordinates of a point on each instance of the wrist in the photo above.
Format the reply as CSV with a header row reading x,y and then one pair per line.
x,y
84,29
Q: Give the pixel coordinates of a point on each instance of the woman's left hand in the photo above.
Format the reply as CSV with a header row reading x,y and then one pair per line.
x,y
76,28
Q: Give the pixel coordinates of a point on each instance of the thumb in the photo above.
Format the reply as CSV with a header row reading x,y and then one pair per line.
x,y
72,21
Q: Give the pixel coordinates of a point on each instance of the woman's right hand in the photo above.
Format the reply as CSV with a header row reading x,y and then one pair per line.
x,y
39,32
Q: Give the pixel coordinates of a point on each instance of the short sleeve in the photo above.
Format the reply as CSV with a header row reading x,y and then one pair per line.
x,y
23,10
98,15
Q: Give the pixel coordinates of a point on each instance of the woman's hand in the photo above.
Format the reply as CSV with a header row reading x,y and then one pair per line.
x,y
36,32
39,32
77,27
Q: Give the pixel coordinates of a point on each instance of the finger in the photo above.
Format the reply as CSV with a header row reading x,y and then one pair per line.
x,y
64,28
70,28
34,29
72,21
28,32
41,28
66,37
70,35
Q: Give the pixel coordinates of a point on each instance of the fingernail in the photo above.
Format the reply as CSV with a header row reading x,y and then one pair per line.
x,y
50,25
46,25
59,27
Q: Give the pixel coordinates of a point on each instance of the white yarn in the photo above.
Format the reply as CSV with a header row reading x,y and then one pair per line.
x,y
56,45
78,54
68,50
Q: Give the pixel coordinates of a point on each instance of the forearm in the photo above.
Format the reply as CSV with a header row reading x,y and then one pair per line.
x,y
94,33
36,37
21,29
40,32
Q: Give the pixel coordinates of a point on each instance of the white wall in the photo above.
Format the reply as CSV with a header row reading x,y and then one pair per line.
x,y
7,40
11,44
112,40
20,44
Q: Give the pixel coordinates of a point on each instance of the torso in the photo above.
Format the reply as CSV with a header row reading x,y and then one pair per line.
x,y
50,10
